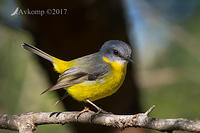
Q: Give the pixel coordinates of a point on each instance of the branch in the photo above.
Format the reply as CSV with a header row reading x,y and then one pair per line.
x,y
26,123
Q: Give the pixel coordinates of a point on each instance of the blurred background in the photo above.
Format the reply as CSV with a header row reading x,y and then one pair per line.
x,y
164,35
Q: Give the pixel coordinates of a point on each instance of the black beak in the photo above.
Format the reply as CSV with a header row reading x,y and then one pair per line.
x,y
130,59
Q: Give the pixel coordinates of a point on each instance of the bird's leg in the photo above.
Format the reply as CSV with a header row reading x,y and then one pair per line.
x,y
86,109
99,110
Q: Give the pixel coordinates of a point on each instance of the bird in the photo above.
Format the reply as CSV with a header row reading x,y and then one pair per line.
x,y
91,77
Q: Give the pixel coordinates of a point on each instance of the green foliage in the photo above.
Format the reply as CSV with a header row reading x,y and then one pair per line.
x,y
22,80
180,97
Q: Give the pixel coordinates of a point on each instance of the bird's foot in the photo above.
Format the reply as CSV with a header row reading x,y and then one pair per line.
x,y
86,109
99,112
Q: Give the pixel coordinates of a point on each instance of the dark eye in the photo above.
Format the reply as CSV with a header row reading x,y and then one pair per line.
x,y
115,52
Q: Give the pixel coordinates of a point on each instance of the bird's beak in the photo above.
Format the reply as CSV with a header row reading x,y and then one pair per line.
x,y
130,59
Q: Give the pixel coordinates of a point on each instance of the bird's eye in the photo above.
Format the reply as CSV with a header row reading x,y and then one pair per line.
x,y
115,52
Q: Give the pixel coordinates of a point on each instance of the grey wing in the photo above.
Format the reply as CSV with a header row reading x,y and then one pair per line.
x,y
93,65
92,71
72,76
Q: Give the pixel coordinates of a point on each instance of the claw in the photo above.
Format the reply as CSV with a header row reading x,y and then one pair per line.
x,y
99,112
83,111
102,111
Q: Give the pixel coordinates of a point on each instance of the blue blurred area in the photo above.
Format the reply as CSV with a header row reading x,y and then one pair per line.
x,y
150,22
5,14
175,10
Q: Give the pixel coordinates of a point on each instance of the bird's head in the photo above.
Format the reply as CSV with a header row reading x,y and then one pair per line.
x,y
116,51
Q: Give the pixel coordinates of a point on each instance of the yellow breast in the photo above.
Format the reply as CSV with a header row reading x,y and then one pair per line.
x,y
103,87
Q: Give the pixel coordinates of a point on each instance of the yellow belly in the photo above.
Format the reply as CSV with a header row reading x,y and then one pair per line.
x,y
106,86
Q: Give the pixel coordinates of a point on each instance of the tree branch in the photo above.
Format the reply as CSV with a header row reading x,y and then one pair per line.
x,y
26,123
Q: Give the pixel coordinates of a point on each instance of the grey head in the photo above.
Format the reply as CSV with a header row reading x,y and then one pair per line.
x,y
115,50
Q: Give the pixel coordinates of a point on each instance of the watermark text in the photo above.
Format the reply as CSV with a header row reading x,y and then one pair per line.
x,y
40,12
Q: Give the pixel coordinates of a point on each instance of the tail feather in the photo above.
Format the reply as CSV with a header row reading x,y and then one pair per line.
x,y
38,52
59,65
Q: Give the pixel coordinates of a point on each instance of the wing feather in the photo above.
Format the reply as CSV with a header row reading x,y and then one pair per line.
x,y
87,68
68,80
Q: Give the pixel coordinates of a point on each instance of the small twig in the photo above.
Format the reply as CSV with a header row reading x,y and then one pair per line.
x,y
26,123
150,110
